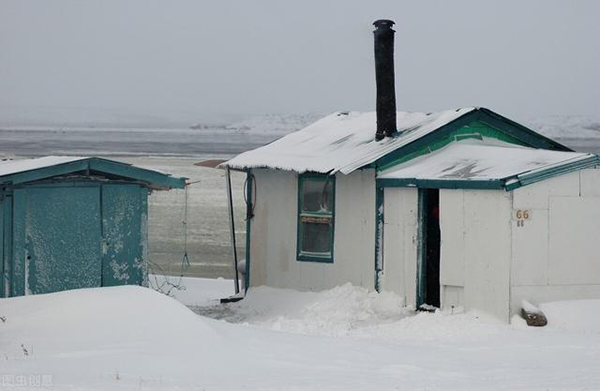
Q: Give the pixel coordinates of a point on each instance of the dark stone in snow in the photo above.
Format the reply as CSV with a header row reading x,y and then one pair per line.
x,y
535,319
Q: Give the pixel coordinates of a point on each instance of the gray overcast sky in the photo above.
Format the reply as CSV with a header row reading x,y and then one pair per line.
x,y
520,58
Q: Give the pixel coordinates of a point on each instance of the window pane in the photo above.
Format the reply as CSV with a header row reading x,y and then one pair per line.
x,y
316,195
316,238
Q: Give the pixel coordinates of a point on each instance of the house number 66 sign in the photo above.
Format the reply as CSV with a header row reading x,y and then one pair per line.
x,y
521,215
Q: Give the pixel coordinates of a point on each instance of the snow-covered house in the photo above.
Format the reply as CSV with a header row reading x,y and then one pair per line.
x,y
459,208
74,222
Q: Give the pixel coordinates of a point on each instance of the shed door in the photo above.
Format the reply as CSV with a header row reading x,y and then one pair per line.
x,y
62,227
122,211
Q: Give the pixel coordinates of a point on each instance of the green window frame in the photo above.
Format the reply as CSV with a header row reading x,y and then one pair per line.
x,y
316,218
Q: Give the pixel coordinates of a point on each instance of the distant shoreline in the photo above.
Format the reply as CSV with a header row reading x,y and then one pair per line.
x,y
139,142
111,142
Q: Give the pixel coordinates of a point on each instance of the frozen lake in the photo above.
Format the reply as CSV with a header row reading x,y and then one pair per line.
x,y
175,152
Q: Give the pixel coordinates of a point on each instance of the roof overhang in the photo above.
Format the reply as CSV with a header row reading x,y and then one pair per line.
x,y
471,166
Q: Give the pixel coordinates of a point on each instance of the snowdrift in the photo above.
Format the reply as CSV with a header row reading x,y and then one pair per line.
x,y
573,315
126,338
103,338
91,321
348,310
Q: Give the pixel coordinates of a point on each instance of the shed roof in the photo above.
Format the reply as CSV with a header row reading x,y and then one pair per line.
x,y
473,164
28,170
344,142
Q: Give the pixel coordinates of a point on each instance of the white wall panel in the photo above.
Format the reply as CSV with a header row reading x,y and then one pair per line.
x,y
273,233
399,241
452,297
452,255
487,251
574,235
536,195
590,182
530,250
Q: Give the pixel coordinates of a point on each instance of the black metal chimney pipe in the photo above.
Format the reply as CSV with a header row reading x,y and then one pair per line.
x,y
384,77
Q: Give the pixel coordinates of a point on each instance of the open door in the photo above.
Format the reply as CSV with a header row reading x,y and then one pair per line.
x,y
428,262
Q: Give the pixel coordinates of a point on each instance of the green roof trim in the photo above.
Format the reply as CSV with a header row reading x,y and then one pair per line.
x,y
507,184
523,133
478,123
550,172
495,184
473,130
153,179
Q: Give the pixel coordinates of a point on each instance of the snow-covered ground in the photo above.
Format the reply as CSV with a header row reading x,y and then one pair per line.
x,y
126,338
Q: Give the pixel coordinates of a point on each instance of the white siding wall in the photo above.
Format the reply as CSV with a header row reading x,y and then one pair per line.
x,y
487,261
400,242
555,253
273,234
475,250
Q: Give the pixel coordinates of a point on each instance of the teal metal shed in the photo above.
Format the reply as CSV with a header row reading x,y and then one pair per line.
x,y
74,222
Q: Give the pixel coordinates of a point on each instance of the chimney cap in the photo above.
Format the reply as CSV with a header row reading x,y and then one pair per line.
x,y
383,23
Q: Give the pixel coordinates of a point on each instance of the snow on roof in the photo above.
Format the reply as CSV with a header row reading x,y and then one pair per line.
x,y
475,161
153,178
341,142
10,167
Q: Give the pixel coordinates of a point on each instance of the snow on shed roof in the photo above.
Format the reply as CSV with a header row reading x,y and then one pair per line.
x,y
341,142
26,170
472,161
11,167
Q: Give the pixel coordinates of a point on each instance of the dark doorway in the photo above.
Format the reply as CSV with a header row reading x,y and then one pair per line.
x,y
428,289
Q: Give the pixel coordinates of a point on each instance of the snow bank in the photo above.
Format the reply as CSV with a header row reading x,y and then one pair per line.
x,y
67,322
573,315
528,307
331,312
131,338
354,311
103,338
